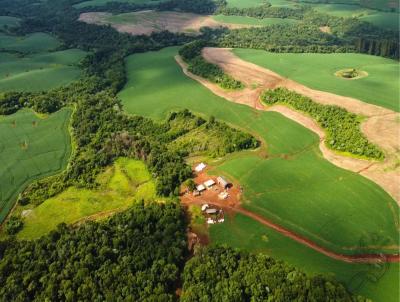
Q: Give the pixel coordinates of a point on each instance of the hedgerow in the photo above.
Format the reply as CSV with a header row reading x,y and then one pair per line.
x,y
191,54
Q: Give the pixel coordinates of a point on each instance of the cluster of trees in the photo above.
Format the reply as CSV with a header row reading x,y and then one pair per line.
x,y
13,225
191,54
284,38
342,127
263,11
134,256
194,135
225,274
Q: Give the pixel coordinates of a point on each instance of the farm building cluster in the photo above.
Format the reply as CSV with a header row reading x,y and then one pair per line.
x,y
211,190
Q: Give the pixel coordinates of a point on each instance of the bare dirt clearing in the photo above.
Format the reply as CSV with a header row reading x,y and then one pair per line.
x,y
146,22
381,126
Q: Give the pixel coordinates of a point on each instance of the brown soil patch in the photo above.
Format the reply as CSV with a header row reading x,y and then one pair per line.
x,y
381,126
325,29
231,206
146,22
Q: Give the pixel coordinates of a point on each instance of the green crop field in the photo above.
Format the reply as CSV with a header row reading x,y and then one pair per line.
x,y
30,148
378,18
253,21
382,19
33,43
380,87
104,2
252,3
39,71
379,283
120,185
9,22
294,185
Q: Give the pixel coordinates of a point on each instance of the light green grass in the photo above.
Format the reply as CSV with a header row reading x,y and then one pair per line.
x,y
30,148
104,2
379,283
40,71
121,185
303,192
317,71
253,21
33,43
9,22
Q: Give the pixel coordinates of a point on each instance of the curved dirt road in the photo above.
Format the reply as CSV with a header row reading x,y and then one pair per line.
x,y
381,126
364,258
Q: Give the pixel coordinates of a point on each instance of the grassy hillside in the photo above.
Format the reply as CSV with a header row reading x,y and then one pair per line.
x,y
279,186
33,43
377,282
252,21
380,87
30,148
122,184
40,71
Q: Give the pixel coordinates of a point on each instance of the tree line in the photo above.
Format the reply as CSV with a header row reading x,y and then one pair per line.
x,y
191,54
342,127
224,274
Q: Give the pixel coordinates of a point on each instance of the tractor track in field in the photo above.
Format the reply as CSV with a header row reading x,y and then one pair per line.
x,y
381,126
361,258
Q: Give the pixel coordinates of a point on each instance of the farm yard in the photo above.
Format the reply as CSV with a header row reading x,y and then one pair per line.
x,y
146,22
31,147
322,202
120,186
317,71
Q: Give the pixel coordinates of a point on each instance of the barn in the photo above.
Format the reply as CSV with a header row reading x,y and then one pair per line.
x,y
222,182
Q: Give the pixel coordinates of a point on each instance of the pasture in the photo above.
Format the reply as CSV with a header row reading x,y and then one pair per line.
x,y
317,71
33,43
39,72
30,148
253,3
253,21
120,186
379,283
8,22
292,185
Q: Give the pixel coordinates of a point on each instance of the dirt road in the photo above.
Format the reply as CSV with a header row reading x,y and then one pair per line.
x,y
381,126
364,258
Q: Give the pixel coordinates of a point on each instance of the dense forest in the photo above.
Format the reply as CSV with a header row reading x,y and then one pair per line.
x,y
134,256
342,127
224,274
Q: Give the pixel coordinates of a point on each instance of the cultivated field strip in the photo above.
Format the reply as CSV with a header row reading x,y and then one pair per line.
x,y
380,127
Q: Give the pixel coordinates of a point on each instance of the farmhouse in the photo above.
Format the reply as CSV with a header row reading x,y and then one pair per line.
x,y
222,182
200,188
200,167
209,183
211,211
